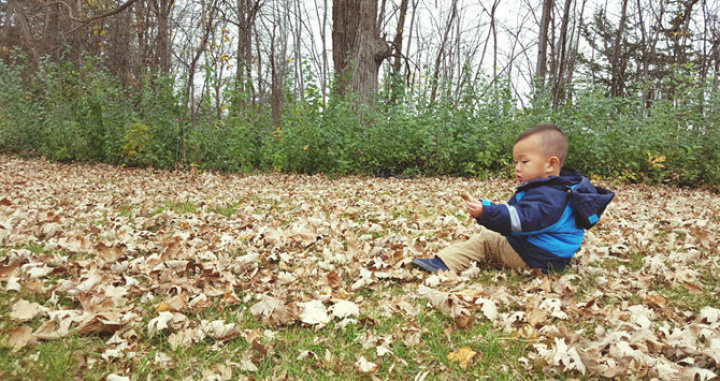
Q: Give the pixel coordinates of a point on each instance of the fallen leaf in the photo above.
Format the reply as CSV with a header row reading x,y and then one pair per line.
x,y
364,366
464,356
159,323
343,309
693,289
314,312
23,311
657,301
182,339
271,310
20,337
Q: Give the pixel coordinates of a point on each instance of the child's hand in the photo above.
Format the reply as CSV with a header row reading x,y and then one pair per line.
x,y
475,208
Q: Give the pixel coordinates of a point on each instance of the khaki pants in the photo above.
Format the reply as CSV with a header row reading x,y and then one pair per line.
x,y
486,248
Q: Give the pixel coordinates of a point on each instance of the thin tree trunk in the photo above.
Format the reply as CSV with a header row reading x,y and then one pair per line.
x,y
408,71
541,64
324,62
617,76
246,13
163,44
559,86
441,52
398,41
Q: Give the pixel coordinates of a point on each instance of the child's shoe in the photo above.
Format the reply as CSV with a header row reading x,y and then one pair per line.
x,y
431,265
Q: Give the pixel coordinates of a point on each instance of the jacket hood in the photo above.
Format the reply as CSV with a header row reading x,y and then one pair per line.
x,y
587,201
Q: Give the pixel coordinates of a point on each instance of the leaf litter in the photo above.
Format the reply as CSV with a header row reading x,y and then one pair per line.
x,y
303,250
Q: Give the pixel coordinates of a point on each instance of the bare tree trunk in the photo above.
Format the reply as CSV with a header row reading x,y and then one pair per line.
x,y
207,21
541,65
246,14
398,41
358,50
257,87
142,49
298,52
324,62
491,33
408,71
572,55
559,86
441,52
494,34
278,64
617,80
648,44
164,49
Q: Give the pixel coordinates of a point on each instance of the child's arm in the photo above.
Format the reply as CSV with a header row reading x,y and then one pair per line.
x,y
534,212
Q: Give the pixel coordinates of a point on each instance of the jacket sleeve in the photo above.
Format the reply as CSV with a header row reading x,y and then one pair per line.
x,y
535,211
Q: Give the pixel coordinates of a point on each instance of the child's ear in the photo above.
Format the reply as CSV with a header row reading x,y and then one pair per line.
x,y
553,164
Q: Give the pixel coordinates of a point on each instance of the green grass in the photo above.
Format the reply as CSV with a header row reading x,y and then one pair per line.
x,y
64,359
227,211
177,207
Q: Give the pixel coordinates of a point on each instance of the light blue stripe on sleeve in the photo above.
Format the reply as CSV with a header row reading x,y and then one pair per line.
x,y
514,219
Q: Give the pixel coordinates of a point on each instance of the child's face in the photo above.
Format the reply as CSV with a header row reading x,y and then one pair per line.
x,y
531,160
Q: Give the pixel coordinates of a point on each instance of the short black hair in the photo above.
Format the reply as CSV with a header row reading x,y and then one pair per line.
x,y
554,140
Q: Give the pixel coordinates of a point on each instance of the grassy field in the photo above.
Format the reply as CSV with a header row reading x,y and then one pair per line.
x,y
112,273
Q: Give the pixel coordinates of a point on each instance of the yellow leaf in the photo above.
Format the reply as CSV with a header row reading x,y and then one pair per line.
x,y
464,356
162,307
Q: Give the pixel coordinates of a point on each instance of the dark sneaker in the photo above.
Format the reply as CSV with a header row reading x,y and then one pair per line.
x,y
431,265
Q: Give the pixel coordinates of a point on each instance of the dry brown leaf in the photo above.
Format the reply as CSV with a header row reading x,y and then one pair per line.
x,y
272,310
182,339
100,323
160,323
465,321
219,330
693,289
330,231
536,316
364,366
314,313
23,311
20,337
657,301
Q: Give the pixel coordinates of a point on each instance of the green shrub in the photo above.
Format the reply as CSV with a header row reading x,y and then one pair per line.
x,y
81,112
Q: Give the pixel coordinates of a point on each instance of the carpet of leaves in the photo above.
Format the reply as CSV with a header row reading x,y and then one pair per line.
x,y
639,301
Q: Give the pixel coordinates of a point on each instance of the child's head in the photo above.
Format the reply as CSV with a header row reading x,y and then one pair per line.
x,y
539,152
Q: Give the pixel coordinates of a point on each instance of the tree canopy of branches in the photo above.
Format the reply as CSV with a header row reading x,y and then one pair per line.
x,y
245,53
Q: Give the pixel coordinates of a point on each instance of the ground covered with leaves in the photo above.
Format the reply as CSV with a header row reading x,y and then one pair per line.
x,y
111,273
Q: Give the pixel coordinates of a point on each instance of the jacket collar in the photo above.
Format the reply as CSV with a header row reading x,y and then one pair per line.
x,y
568,177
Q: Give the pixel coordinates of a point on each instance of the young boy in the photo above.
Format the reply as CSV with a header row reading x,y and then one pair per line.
x,y
542,226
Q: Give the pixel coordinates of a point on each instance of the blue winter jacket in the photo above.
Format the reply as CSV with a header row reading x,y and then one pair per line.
x,y
545,219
